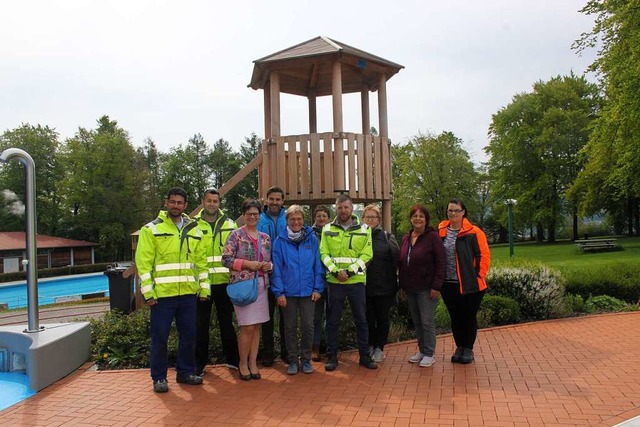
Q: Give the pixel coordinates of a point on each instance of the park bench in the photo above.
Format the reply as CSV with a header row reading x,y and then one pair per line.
x,y
597,244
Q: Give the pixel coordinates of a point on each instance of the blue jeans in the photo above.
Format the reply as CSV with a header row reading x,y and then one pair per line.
x,y
183,309
356,295
423,313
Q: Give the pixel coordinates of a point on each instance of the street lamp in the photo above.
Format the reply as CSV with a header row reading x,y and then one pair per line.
x,y
510,204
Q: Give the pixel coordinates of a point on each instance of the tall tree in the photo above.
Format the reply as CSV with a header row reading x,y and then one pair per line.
x,y
152,191
188,167
431,169
103,185
610,178
42,144
534,147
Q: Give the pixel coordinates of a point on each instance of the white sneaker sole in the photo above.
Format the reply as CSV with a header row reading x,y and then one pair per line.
x,y
425,365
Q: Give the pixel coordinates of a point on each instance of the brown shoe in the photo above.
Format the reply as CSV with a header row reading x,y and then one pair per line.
x,y
315,353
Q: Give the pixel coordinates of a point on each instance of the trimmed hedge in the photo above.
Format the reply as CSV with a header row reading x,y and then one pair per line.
x,y
619,280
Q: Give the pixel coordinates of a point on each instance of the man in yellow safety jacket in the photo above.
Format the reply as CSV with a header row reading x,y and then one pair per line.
x,y
345,250
173,272
215,227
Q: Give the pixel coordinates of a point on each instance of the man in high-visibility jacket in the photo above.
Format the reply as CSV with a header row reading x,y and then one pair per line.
x,y
215,227
345,250
173,272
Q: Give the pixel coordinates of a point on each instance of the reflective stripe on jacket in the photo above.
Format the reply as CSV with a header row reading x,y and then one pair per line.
x,y
348,250
472,256
214,239
171,262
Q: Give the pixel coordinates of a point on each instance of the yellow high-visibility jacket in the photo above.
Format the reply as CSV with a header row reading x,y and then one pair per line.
x,y
172,262
214,239
348,250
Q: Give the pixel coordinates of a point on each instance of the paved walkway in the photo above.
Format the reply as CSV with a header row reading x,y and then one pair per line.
x,y
569,372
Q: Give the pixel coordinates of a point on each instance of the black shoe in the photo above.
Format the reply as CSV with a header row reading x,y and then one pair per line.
x,y
367,362
253,376
457,355
267,361
467,356
244,377
160,386
190,379
332,363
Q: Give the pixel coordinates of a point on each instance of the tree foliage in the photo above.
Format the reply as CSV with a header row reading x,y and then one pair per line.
x,y
432,169
102,184
609,180
42,144
534,147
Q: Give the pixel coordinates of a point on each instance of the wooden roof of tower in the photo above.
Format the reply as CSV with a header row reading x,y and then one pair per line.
x,y
307,67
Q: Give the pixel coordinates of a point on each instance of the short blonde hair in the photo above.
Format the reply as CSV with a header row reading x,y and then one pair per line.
x,y
294,209
372,208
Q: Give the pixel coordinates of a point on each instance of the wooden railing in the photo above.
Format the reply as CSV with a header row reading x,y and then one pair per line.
x,y
317,167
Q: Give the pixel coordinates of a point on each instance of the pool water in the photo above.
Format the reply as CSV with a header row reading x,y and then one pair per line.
x,y
57,289
14,387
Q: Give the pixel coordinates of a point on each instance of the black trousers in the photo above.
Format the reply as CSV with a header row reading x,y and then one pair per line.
x,y
378,309
463,310
267,332
224,314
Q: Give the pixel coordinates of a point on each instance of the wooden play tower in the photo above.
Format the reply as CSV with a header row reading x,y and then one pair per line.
x,y
314,168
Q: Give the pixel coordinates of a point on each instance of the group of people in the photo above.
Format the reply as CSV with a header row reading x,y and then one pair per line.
x,y
305,272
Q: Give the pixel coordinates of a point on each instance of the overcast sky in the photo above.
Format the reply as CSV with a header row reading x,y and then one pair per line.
x,y
170,69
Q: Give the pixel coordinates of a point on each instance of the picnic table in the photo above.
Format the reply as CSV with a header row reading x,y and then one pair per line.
x,y
602,244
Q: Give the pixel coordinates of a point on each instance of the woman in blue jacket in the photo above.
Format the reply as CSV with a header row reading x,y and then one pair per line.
x,y
297,283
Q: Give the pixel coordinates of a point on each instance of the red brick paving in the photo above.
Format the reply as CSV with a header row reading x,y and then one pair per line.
x,y
569,372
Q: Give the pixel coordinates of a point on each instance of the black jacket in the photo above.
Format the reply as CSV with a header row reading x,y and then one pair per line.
x,y
382,278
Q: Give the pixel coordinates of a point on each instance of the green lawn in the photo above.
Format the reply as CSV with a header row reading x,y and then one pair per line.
x,y
565,256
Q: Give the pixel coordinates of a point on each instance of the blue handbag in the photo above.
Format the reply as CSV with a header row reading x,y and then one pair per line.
x,y
244,292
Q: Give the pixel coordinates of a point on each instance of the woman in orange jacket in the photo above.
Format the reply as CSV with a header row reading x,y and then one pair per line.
x,y
467,264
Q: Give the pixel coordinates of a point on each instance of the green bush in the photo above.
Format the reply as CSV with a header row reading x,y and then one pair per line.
x,y
573,303
499,310
538,289
121,341
607,304
443,320
620,280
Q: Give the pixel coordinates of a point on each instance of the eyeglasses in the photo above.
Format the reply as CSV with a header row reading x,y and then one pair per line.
x,y
252,214
369,218
454,211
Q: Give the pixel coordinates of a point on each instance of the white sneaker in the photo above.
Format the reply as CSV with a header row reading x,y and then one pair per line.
x,y
427,361
378,355
416,357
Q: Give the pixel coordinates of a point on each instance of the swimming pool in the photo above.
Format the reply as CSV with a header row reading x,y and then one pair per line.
x,y
55,289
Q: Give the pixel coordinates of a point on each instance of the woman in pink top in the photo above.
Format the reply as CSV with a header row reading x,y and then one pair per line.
x,y
245,260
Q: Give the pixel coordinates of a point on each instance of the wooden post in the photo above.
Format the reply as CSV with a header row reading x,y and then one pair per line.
x,y
313,112
382,106
267,111
274,89
336,92
384,133
364,101
338,145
